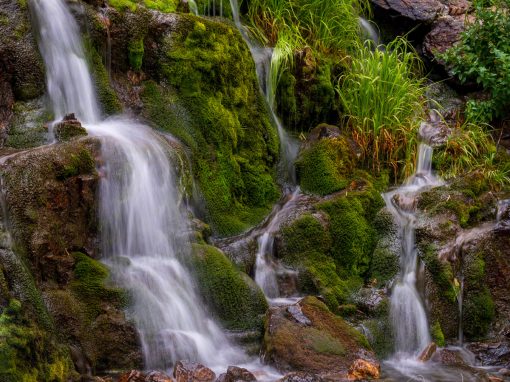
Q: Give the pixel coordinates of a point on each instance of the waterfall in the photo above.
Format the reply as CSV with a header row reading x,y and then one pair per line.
x,y
143,227
368,31
408,316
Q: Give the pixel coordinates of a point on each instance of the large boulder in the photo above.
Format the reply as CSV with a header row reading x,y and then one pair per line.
x,y
425,11
307,337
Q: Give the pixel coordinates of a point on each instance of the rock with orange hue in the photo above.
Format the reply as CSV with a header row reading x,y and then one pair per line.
x,y
157,376
361,370
428,352
132,376
185,371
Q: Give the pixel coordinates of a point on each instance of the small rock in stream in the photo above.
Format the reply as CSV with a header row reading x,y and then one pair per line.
x,y
428,352
185,371
236,374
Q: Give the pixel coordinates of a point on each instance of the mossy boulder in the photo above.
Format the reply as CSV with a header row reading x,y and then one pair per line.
x,y
166,6
207,95
28,126
307,337
332,245
232,295
326,162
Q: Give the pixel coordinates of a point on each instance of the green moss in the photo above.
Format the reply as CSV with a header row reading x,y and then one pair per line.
x,y
231,294
26,352
442,273
479,307
437,334
350,225
135,53
384,266
107,96
304,235
478,313
214,106
324,168
306,95
380,336
323,342
123,5
89,285
80,163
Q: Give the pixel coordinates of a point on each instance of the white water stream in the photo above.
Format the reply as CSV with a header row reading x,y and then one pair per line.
x,y
143,227
408,316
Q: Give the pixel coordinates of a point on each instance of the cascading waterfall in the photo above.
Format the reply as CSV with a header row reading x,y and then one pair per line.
x,y
408,316
266,268
144,230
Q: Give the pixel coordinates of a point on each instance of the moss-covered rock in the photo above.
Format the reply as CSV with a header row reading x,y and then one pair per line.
x,y
325,167
306,95
28,127
332,246
437,334
166,6
232,295
308,337
212,103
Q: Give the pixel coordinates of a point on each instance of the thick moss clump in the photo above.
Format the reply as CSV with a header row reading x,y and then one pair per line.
x,y
351,218
306,95
479,309
325,167
384,266
166,6
232,295
106,95
437,334
28,127
214,105
333,247
90,288
442,273
27,353
135,53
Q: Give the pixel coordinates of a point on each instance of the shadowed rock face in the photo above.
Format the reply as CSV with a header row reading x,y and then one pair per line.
x,y
20,62
426,10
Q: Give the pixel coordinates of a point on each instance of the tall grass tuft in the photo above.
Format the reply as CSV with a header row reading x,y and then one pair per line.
x,y
383,97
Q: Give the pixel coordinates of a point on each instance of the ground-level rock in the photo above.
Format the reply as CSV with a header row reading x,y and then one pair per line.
x,y
185,371
323,344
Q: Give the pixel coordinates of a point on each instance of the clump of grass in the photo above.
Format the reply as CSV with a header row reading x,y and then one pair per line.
x,y
383,97
469,148
324,26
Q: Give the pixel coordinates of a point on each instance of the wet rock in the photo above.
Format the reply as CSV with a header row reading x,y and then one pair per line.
x,y
6,105
185,371
301,376
425,10
20,62
493,378
492,353
444,34
504,372
428,352
132,376
157,376
68,129
362,369
327,346
370,300
297,314
236,374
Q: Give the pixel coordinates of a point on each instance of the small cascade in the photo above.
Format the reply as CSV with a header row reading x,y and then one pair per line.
x,y
369,32
144,230
460,301
266,267
408,316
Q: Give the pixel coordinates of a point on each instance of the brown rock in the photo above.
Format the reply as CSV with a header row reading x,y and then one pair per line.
x,y
237,374
68,129
132,376
185,371
325,345
444,34
157,376
362,369
428,352
301,376
423,10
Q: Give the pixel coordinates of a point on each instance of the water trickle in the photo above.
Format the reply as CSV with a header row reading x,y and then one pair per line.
x,y
266,267
407,311
144,228
369,31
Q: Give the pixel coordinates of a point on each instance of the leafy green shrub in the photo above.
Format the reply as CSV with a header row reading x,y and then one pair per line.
x,y
383,98
483,55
